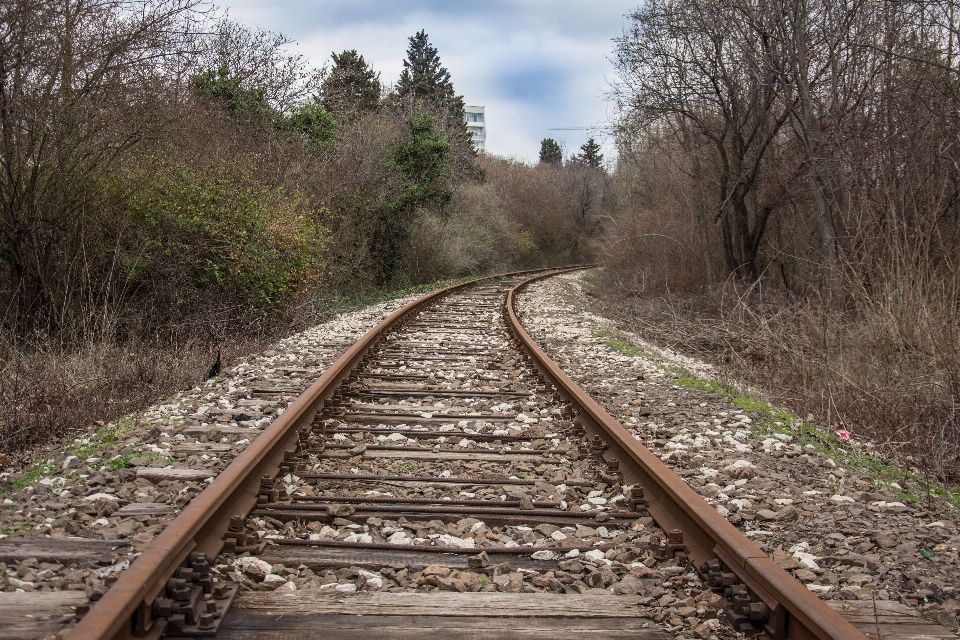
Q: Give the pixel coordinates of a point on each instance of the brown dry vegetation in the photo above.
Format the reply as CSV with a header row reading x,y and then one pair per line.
x,y
795,206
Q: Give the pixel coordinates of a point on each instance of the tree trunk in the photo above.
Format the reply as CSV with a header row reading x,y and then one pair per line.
x,y
702,217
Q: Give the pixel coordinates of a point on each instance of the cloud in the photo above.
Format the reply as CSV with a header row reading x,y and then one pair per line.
x,y
534,64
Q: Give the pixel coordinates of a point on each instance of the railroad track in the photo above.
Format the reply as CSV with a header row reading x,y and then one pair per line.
x,y
445,474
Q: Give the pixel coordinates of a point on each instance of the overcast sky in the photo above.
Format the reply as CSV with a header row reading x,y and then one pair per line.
x,y
534,64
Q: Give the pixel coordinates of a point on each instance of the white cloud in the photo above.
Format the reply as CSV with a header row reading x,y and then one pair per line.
x,y
534,64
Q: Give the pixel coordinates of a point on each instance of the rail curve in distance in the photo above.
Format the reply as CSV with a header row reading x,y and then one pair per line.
x,y
446,466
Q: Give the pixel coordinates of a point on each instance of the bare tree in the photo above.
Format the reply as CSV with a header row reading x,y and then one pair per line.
x,y
259,61
697,64
78,82
817,52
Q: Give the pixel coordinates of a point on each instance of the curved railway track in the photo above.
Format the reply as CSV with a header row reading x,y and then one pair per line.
x,y
444,463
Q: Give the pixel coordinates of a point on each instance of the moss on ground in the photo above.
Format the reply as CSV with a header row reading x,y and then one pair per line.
x,y
622,346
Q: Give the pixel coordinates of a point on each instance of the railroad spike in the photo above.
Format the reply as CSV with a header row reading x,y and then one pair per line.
x,y
636,500
756,611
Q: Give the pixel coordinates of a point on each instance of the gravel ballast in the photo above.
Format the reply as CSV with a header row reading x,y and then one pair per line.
x,y
837,530
125,481
842,533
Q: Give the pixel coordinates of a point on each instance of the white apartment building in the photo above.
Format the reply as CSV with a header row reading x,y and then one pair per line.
x,y
477,126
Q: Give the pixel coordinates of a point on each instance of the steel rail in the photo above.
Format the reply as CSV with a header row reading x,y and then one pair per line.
x,y
793,611
125,610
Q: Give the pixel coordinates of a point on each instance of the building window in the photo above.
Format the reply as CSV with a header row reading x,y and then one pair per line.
x,y
474,117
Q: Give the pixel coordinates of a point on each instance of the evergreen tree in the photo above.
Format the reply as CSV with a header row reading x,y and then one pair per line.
x,y
550,151
313,124
422,161
351,86
227,89
310,123
590,154
425,85
422,78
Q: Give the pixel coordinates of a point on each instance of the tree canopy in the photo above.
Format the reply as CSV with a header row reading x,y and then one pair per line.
x,y
425,85
590,154
550,151
351,85
423,78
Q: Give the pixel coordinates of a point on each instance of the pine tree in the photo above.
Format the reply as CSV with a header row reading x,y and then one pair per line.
x,y
425,85
590,154
352,85
422,161
422,78
550,151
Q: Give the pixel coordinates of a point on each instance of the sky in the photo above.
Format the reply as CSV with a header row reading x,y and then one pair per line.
x,y
535,65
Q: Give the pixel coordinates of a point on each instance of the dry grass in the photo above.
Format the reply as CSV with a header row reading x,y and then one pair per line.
x,y
47,393
887,377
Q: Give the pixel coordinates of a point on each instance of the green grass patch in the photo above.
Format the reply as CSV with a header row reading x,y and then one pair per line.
x,y
83,447
99,440
767,420
626,348
121,462
590,275
30,478
732,394
622,346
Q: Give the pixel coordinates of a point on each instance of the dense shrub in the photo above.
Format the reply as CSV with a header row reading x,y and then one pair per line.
x,y
230,233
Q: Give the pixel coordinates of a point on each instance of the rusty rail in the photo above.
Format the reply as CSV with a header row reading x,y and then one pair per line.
x,y
126,610
725,556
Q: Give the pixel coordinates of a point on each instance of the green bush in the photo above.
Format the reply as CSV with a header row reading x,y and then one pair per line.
x,y
261,245
423,159
314,124
228,89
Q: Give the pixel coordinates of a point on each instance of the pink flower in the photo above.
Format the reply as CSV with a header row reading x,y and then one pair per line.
x,y
844,435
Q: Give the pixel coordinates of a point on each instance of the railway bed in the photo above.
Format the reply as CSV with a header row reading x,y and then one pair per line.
x,y
445,475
